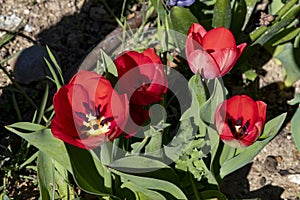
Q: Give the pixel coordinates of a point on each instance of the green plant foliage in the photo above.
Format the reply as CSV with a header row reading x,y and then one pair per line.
x,y
222,14
182,19
53,179
245,155
41,138
296,128
291,63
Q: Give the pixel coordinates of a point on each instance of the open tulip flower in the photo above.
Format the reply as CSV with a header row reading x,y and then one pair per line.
x,y
240,120
88,112
212,53
141,76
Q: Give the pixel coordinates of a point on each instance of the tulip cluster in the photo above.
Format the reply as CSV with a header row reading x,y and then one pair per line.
x,y
89,111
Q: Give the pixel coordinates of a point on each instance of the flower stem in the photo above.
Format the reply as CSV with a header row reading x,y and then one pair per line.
x,y
195,190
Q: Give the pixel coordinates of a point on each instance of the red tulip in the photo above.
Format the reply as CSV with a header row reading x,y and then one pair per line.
x,y
141,76
88,112
212,53
240,120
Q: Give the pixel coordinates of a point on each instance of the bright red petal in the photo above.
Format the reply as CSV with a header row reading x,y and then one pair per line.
x,y
218,38
262,110
150,52
200,60
242,106
251,137
197,28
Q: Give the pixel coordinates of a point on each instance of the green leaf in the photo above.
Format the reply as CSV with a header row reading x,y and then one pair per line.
x,y
212,194
44,141
222,14
238,17
296,128
270,32
250,74
248,153
291,63
157,4
285,35
53,178
6,38
182,19
137,164
295,100
142,193
43,105
208,109
152,184
85,171
109,65
250,4
198,97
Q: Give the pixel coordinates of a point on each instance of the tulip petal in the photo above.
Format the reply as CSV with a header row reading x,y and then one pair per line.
x,y
218,38
225,58
251,137
197,28
150,53
200,60
262,110
242,106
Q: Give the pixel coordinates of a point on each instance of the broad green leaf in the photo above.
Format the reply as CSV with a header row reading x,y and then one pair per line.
x,y
53,182
152,184
85,171
238,17
142,193
208,109
285,35
227,153
296,128
26,126
295,100
250,7
198,97
44,141
291,63
212,194
222,14
248,153
137,163
182,19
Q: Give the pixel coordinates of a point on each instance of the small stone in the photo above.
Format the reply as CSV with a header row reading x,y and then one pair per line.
x,y
294,178
270,164
263,181
30,64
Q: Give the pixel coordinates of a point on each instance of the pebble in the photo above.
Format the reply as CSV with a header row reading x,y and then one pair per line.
x,y
270,164
30,65
294,178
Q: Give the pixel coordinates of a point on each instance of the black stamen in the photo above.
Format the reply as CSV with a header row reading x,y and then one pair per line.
x,y
81,115
239,121
95,126
98,111
106,120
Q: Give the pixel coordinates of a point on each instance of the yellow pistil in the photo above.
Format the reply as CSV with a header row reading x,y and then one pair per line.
x,y
96,126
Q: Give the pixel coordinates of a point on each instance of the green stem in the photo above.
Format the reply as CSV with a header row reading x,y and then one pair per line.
x,y
195,190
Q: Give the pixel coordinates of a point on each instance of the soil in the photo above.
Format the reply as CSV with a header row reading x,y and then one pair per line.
x,y
71,28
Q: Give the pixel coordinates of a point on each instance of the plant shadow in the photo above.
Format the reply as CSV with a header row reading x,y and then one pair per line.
x,y
236,186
